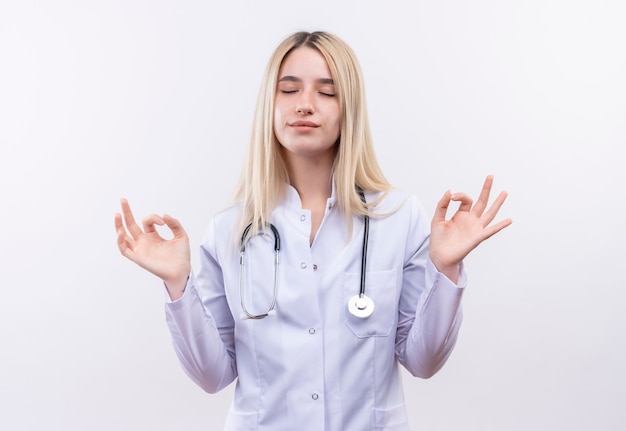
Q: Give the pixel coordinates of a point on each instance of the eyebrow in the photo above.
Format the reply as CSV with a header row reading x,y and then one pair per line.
x,y
290,78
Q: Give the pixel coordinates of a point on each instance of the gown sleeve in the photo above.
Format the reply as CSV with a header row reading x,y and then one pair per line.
x,y
429,314
201,324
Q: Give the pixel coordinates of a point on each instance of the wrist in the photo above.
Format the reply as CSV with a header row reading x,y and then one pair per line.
x,y
176,287
451,271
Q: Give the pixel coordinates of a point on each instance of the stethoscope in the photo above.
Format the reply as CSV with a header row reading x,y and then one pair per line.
x,y
359,305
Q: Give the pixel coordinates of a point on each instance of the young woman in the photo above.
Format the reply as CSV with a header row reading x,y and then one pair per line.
x,y
321,278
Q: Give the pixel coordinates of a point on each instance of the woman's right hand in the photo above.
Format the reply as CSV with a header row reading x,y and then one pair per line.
x,y
168,259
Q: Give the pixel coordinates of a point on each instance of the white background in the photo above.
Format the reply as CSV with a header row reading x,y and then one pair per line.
x,y
153,100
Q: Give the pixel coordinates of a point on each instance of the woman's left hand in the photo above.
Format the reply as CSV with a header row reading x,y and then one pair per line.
x,y
452,240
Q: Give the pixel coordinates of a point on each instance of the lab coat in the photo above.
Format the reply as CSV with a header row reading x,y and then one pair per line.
x,y
313,366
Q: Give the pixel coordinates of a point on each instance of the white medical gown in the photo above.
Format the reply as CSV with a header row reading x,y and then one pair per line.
x,y
314,366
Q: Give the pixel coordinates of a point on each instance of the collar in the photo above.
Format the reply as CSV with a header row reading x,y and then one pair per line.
x,y
291,198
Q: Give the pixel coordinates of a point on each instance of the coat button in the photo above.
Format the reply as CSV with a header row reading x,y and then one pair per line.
x,y
302,217
315,396
312,331
303,265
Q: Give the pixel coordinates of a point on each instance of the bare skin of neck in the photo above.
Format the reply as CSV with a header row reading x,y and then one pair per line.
x,y
312,178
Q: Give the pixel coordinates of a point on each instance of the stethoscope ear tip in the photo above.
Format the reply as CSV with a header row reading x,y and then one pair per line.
x,y
271,313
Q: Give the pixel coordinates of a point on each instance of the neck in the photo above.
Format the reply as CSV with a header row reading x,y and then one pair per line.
x,y
312,178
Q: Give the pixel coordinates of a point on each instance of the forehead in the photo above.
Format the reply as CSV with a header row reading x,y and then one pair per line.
x,y
303,62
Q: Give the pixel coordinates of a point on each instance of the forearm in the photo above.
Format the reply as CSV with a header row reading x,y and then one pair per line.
x,y
431,335
200,345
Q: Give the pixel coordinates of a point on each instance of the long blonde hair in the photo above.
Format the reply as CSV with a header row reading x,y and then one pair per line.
x,y
264,173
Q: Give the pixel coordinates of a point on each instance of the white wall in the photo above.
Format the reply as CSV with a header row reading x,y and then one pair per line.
x,y
152,100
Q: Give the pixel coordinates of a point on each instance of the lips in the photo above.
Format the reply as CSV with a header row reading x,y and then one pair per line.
x,y
303,124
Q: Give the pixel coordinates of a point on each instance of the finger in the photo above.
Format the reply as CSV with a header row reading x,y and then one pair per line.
x,y
119,226
149,222
491,213
442,207
175,226
492,230
483,198
118,222
129,219
124,242
466,201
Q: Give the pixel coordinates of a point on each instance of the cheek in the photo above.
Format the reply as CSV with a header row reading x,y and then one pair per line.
x,y
279,118
279,126
338,122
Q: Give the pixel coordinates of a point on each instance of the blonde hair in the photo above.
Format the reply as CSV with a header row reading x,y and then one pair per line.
x,y
264,173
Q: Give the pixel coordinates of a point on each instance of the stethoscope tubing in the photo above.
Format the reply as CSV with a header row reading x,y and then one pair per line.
x,y
242,251
359,305
366,233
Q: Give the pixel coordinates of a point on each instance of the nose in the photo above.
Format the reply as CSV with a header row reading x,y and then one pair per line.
x,y
304,105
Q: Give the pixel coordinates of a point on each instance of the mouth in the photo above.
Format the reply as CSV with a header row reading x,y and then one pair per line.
x,y
303,124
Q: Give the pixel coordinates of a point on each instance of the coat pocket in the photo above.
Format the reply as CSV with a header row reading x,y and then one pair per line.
x,y
391,419
241,421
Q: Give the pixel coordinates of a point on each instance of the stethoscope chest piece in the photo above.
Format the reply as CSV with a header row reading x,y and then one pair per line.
x,y
361,306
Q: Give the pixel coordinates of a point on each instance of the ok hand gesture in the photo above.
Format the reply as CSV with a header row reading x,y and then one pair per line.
x,y
168,259
451,240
